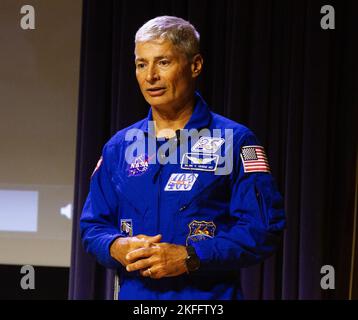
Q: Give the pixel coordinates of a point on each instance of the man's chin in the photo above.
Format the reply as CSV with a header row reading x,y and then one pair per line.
x,y
158,102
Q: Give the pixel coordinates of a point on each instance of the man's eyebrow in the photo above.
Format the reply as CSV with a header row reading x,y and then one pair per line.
x,y
155,58
162,57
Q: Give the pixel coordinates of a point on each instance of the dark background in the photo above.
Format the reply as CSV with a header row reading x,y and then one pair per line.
x,y
269,66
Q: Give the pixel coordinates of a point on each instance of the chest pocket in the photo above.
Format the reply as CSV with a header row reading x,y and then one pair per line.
x,y
209,187
136,195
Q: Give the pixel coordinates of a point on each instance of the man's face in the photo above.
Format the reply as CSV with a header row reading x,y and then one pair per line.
x,y
165,75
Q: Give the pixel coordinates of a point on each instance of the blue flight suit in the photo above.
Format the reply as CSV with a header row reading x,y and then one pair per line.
x,y
232,220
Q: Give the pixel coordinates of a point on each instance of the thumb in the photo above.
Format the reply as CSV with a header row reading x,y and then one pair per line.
x,y
155,238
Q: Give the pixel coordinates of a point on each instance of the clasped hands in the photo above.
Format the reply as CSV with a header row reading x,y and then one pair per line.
x,y
151,257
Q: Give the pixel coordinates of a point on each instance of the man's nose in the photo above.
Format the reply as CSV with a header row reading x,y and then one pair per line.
x,y
152,74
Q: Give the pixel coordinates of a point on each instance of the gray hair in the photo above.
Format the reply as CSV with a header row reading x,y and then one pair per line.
x,y
181,33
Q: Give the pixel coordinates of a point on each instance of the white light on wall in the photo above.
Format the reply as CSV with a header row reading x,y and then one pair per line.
x,y
67,211
18,210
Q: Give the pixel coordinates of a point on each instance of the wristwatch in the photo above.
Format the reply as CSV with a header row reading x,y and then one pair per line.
x,y
192,261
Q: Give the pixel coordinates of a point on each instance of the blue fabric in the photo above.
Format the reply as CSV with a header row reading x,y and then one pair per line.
x,y
233,220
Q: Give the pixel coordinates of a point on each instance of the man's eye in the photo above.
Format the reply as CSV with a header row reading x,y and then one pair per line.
x,y
163,62
140,65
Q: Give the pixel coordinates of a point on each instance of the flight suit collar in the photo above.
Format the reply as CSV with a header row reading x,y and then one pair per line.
x,y
200,118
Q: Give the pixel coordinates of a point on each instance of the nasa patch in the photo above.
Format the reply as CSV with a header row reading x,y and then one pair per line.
x,y
139,166
181,181
207,145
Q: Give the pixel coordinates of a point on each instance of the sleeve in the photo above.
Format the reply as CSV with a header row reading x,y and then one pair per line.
x,y
99,215
257,215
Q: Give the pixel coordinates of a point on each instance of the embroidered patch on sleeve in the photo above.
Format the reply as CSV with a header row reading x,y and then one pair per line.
x,y
254,159
127,227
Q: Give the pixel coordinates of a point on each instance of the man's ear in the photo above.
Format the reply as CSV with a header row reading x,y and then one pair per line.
x,y
196,65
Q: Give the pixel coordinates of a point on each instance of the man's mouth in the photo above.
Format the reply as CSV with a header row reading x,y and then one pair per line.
x,y
156,91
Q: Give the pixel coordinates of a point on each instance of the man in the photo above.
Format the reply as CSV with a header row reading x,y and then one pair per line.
x,y
196,201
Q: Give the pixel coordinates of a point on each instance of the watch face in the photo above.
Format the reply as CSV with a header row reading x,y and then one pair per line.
x,y
192,263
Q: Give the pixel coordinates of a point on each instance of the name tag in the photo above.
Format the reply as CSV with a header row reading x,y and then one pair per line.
x,y
197,161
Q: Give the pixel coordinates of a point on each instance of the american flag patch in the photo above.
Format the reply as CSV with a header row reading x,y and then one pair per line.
x,y
254,159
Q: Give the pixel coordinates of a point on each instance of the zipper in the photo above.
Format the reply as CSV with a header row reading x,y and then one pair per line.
x,y
158,198
259,201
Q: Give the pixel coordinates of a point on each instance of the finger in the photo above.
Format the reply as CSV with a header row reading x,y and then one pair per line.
x,y
151,239
148,240
141,236
140,264
149,273
141,253
136,243
156,238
